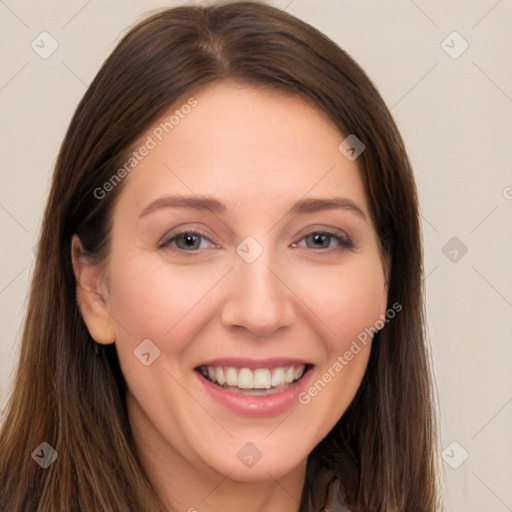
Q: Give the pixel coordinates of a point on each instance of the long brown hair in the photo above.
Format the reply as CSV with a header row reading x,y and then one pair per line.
x,y
384,446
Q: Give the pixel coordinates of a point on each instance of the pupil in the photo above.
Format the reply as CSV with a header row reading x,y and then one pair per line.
x,y
189,240
319,238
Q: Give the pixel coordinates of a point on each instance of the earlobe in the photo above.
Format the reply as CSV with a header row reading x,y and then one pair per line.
x,y
91,295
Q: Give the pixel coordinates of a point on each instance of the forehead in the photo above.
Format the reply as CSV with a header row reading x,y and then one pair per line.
x,y
239,141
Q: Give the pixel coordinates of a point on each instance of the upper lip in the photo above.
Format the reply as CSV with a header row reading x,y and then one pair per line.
x,y
255,363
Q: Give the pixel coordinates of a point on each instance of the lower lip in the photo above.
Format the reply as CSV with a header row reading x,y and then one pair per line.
x,y
254,406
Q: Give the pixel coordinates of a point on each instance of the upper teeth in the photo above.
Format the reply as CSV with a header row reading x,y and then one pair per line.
x,y
261,378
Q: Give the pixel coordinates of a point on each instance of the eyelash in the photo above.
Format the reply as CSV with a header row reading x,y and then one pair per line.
x,y
344,242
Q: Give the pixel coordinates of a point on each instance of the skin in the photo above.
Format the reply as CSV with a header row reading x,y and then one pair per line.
x,y
258,152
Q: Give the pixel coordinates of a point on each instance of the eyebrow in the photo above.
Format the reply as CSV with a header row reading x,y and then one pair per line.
x,y
303,206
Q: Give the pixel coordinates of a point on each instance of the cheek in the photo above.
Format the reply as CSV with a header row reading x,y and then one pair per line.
x,y
349,304
346,300
153,299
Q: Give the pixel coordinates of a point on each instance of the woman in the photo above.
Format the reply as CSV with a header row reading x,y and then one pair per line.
x,y
263,369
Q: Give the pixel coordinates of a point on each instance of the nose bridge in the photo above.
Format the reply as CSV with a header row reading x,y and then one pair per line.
x,y
258,300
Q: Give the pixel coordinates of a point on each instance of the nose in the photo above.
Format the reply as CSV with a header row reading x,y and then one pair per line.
x,y
260,299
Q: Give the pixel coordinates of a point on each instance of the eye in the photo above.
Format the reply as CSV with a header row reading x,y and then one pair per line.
x,y
189,241
323,239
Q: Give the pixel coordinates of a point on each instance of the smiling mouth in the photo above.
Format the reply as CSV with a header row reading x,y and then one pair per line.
x,y
257,381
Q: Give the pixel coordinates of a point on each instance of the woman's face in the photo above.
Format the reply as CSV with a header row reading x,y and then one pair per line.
x,y
227,263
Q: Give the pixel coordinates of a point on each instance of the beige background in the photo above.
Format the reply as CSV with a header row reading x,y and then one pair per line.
x,y
455,115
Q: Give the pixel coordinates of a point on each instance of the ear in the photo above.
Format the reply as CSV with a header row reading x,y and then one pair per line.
x,y
92,295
